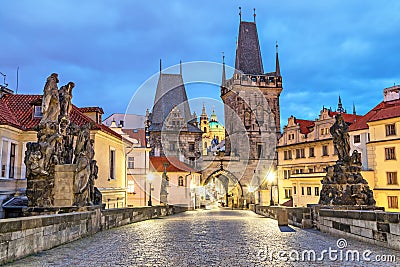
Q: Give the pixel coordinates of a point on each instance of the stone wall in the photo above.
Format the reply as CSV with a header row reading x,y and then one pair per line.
x,y
20,237
300,217
376,227
367,224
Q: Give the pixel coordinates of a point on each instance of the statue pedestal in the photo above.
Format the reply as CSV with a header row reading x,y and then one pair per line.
x,y
63,185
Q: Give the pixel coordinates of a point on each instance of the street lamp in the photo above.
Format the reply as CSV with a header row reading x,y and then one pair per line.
x,y
150,179
271,177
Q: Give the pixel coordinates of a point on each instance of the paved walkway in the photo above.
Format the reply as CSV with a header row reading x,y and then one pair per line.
x,y
207,238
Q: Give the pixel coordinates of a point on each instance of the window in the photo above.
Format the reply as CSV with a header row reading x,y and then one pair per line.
x,y
357,139
391,177
390,153
316,191
325,150
294,190
191,147
288,193
302,190
112,164
180,181
310,170
291,136
322,131
287,154
309,190
390,129
260,151
286,174
4,158
131,162
300,153
393,202
12,161
205,144
204,129
311,152
37,111
131,187
172,146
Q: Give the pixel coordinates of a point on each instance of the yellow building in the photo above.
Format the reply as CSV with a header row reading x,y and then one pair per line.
x,y
383,148
213,132
305,149
18,117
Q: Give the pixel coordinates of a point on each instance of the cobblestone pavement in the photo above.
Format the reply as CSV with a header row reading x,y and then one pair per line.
x,y
203,238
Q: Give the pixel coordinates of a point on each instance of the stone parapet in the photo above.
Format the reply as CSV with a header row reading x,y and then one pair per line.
x,y
20,237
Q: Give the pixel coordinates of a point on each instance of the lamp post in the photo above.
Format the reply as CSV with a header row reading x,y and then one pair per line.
x,y
271,177
150,179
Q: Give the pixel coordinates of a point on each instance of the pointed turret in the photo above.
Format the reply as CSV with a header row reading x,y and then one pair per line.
x,y
248,53
277,67
354,109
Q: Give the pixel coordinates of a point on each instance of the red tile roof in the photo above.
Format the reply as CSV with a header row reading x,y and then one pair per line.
x,y
138,134
383,110
91,109
349,118
175,165
17,111
305,125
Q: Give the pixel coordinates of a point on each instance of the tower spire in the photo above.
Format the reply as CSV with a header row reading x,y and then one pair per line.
x,y
240,13
160,65
340,106
180,67
354,109
277,67
223,70
254,15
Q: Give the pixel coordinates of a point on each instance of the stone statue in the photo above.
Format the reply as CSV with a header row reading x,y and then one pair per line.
x,y
50,101
65,96
340,135
82,174
56,146
343,183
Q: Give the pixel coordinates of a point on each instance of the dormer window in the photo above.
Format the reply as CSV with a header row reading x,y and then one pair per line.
x,y
37,112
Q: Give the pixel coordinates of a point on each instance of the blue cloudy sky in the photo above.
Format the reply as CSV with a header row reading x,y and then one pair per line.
x,y
110,48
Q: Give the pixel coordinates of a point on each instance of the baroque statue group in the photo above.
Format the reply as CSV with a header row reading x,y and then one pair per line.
x,y
343,183
60,142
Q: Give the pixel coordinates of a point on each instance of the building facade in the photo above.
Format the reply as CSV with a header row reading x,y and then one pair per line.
x,y
376,137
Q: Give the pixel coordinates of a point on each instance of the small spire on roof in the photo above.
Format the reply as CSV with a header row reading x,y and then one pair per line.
x,y
340,108
240,13
180,67
354,109
254,15
160,65
223,70
277,67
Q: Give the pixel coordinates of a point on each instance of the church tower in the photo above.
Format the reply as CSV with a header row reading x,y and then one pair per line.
x,y
251,95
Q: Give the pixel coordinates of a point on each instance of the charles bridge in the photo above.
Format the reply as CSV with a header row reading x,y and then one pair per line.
x,y
217,237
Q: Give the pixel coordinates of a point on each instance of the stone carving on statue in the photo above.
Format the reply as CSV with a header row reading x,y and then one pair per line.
x,y
343,183
50,101
65,96
55,146
340,135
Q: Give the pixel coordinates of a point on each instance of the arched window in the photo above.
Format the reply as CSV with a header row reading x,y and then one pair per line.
x,y
205,129
180,181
